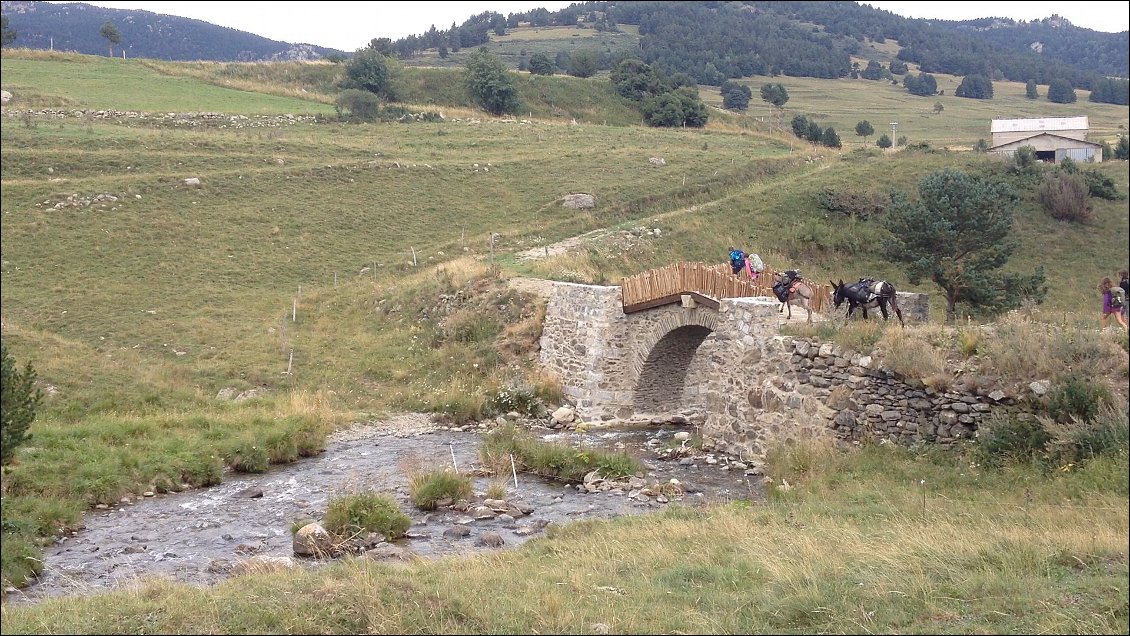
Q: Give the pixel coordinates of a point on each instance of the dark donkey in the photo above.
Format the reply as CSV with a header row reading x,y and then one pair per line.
x,y
867,294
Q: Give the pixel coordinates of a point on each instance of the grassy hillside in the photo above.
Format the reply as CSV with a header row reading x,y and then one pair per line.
x,y
843,103
523,42
346,270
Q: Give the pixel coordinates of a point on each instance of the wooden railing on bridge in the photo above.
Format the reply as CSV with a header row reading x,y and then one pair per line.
x,y
708,284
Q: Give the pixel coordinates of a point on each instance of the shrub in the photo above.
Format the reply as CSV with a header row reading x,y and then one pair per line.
x,y
428,488
1077,397
469,328
491,84
1106,434
1066,197
357,105
970,342
365,512
1101,186
853,203
1011,437
18,401
371,71
540,64
523,400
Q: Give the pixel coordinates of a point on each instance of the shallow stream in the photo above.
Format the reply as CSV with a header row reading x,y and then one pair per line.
x,y
196,536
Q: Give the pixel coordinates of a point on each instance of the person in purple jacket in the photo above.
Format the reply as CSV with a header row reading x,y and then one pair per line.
x,y
1112,304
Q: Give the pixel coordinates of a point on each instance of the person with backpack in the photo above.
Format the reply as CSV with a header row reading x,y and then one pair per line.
x,y
737,261
1125,285
1113,302
754,266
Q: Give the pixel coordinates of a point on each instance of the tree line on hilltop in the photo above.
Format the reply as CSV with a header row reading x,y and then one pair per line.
x,y
716,41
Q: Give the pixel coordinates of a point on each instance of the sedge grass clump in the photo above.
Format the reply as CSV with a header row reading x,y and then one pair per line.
x,y
365,512
427,489
552,460
248,456
808,459
300,524
860,335
20,559
496,490
911,356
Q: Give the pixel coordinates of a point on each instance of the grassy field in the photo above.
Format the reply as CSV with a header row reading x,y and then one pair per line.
x,y
347,271
843,103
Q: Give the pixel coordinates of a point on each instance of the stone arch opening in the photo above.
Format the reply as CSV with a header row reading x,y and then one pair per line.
x,y
662,384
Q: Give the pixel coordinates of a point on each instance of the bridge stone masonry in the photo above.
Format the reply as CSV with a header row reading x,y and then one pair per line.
x,y
723,365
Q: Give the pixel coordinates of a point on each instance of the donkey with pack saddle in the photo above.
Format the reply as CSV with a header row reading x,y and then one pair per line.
x,y
867,294
791,288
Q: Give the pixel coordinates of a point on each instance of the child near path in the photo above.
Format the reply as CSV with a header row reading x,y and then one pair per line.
x,y
1113,302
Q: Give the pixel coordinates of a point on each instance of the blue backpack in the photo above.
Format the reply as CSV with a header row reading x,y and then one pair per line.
x,y
737,257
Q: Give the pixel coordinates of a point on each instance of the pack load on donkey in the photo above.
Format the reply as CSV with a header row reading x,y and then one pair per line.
x,y
784,284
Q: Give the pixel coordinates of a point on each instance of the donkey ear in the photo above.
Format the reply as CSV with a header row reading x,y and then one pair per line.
x,y
841,282
830,282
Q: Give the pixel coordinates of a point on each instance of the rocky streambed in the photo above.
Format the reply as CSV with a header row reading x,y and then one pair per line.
x,y
204,536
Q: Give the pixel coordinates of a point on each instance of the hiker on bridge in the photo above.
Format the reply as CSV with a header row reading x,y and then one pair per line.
x,y
751,264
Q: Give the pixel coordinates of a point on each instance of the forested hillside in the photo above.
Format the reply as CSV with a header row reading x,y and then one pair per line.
x,y
716,41
76,27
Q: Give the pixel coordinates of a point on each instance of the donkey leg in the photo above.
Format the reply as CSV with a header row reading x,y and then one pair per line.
x,y
898,312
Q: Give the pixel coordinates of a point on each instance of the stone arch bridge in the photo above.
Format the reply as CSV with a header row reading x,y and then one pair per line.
x,y
696,342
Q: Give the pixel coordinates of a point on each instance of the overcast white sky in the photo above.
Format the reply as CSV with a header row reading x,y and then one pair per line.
x,y
348,26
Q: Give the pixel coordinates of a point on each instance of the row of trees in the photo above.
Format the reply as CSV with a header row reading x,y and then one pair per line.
x,y
582,63
809,130
671,101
